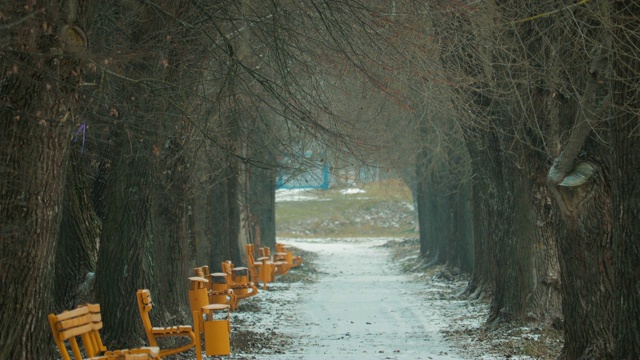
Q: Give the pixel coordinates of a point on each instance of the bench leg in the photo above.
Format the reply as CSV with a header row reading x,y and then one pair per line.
x,y
196,329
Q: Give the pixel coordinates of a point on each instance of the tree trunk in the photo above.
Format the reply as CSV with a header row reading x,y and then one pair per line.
x,y
462,229
32,183
579,179
125,260
586,268
444,212
77,250
171,232
224,219
262,178
625,189
36,124
262,202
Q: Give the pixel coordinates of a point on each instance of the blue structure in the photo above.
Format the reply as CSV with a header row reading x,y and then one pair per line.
x,y
315,175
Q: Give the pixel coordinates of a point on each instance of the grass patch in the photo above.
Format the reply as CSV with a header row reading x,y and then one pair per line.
x,y
381,209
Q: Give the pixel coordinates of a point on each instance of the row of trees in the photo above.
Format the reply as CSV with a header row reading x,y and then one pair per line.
x,y
140,138
527,159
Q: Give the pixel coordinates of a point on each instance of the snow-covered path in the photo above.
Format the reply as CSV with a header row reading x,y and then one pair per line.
x,y
362,307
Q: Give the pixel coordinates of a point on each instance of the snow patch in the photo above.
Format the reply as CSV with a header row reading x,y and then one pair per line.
x,y
351,191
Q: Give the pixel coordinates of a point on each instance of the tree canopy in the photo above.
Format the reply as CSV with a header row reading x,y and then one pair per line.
x,y
141,138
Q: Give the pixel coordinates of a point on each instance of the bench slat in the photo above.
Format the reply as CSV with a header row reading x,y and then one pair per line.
x,y
74,331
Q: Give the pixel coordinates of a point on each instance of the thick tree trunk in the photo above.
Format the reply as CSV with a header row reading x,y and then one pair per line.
x,y
262,202
77,250
37,92
171,232
514,241
224,219
262,184
579,180
32,183
125,260
483,264
510,283
625,188
586,268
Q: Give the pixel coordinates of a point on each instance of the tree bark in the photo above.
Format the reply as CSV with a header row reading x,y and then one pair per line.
x,y
36,124
171,232
262,202
586,268
31,215
224,220
125,261
624,179
77,250
580,182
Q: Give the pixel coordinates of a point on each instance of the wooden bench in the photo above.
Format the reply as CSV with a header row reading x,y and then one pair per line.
x,y
278,259
263,270
292,260
239,280
86,322
218,288
145,304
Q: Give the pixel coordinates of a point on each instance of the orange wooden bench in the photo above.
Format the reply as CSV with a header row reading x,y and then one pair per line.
x,y
86,322
263,270
292,260
239,280
144,306
278,259
218,287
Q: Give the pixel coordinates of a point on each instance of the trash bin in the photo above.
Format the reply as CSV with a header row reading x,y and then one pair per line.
x,y
198,295
219,288
241,277
265,270
217,329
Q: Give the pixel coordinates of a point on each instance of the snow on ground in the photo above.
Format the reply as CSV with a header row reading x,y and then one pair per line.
x,y
283,195
364,304
351,191
296,195
360,307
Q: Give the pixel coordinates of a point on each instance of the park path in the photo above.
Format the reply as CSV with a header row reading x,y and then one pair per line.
x,y
362,307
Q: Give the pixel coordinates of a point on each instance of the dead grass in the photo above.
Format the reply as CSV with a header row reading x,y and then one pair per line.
x,y
383,209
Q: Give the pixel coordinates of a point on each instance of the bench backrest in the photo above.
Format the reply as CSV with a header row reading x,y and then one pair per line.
x,y
92,341
144,306
68,325
250,254
227,267
85,322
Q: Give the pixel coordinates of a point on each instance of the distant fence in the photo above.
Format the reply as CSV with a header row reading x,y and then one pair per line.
x,y
314,177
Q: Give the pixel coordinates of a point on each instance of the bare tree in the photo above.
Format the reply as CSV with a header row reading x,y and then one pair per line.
x,y
40,76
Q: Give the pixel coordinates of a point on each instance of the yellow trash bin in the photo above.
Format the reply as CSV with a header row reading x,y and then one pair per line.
x,y
217,329
198,296
241,277
265,271
219,288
